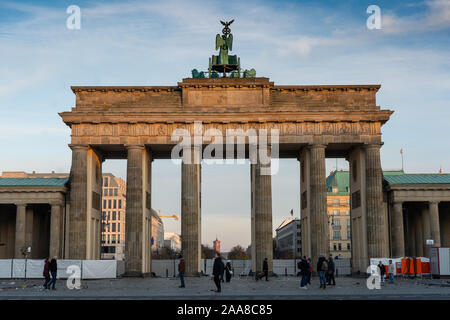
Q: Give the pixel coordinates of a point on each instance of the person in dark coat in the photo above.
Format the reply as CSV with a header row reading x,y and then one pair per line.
x,y
304,271
181,269
310,265
382,270
228,271
217,271
322,269
266,269
53,267
331,270
46,274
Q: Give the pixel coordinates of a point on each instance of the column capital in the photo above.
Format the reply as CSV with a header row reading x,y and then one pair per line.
x,y
434,202
56,204
317,146
373,145
79,146
134,146
20,204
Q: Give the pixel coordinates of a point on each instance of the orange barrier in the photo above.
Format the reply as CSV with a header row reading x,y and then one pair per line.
x,y
412,266
425,267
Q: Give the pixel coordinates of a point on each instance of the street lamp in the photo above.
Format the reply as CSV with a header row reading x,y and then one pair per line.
x,y
101,237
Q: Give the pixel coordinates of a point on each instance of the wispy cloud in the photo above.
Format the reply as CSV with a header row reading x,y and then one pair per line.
x,y
435,17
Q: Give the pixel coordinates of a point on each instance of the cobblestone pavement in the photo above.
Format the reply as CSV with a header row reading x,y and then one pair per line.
x,y
239,288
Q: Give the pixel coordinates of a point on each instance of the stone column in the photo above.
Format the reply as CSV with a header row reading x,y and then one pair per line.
x,y
318,210
419,235
262,184
55,230
134,211
191,211
397,231
29,228
434,223
377,242
20,230
426,230
78,202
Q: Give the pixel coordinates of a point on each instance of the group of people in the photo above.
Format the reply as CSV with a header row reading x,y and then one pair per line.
x,y
219,269
390,269
325,268
50,268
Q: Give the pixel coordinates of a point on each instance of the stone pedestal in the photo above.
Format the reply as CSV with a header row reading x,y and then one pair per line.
x,y
434,223
191,212
138,215
262,243
20,231
55,230
397,231
377,240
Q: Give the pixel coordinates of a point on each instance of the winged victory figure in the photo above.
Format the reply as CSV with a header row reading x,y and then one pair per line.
x,y
224,43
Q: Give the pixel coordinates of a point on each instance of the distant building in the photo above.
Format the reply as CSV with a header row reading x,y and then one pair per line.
x,y
338,209
289,238
113,217
157,231
216,246
172,241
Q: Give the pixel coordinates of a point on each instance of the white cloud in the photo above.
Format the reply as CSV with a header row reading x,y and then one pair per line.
x,y
436,17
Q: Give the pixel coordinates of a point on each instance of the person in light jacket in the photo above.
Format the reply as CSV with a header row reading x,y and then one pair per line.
x,y
391,270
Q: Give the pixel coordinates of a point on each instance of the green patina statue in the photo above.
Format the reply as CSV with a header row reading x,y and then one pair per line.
x,y
225,63
224,43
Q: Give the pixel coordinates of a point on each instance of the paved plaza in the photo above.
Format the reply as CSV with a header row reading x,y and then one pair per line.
x,y
239,289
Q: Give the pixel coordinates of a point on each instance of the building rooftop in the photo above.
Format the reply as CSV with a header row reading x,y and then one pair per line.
x,y
33,182
285,223
417,178
341,180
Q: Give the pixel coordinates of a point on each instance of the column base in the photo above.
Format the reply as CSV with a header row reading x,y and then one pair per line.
x,y
133,274
193,274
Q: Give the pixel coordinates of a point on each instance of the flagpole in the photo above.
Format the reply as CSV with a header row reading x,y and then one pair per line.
x,y
401,152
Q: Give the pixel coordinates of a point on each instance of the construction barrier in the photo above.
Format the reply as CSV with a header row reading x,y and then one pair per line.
x,y
33,268
281,267
405,266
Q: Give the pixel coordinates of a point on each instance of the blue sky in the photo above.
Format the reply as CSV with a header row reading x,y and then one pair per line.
x,y
159,42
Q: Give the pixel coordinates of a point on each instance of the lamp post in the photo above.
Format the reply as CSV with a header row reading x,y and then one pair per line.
x,y
101,237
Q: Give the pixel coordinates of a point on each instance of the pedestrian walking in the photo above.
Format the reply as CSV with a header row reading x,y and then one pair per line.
x,y
266,269
310,271
46,274
304,271
382,270
223,273
181,269
391,270
331,271
322,269
228,271
217,271
53,268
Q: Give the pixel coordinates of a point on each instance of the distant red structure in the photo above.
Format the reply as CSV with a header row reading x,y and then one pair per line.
x,y
216,246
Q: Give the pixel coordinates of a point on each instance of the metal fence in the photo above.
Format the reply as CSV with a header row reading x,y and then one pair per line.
x,y
169,268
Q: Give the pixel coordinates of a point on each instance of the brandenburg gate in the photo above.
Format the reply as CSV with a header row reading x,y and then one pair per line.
x,y
314,122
